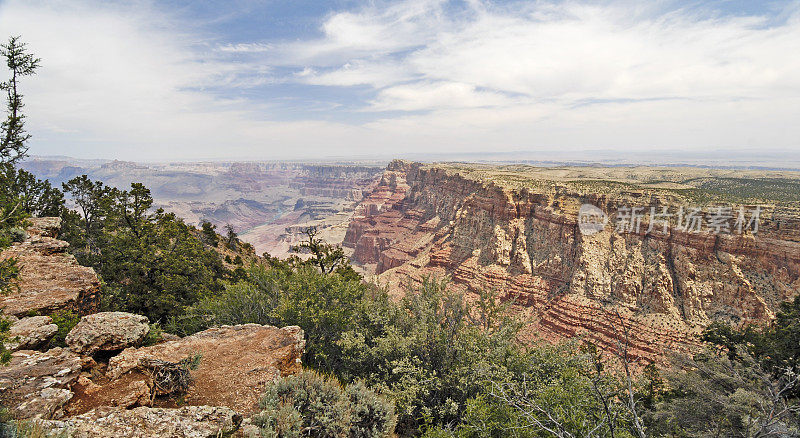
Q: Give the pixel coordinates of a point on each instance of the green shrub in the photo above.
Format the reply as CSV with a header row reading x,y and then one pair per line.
x,y
431,353
28,429
9,272
153,336
712,394
370,414
5,325
311,405
65,320
16,234
209,233
150,261
325,306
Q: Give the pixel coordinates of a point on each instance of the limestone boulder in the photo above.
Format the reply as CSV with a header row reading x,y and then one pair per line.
x,y
237,362
36,384
31,333
45,226
107,331
146,422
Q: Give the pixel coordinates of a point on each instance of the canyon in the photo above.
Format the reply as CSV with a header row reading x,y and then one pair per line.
x,y
515,230
268,204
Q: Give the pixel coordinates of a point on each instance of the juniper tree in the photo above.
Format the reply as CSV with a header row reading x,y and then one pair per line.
x,y
13,136
12,148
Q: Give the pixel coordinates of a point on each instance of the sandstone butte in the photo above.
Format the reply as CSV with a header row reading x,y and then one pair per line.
x,y
522,240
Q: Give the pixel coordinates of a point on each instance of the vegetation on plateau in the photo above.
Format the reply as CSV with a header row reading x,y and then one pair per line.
x,y
453,369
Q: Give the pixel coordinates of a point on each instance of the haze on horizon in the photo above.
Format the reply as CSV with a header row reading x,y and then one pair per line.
x,y
151,81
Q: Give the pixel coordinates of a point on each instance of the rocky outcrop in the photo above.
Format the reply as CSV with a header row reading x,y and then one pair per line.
x,y
31,333
50,279
37,385
236,362
521,237
102,385
131,390
146,422
107,331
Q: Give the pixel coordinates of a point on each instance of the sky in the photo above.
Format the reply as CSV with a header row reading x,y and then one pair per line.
x,y
297,79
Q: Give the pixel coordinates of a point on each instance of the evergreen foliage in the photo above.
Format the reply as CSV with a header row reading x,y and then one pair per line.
x,y
311,405
209,233
12,130
151,262
20,193
5,355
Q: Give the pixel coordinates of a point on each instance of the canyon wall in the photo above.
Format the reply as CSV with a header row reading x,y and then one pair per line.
x,y
658,289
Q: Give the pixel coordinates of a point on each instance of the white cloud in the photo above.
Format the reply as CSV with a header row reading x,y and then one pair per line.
x,y
246,48
438,95
571,52
130,82
570,74
134,82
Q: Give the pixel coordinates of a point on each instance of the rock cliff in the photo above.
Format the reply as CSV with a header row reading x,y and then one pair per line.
x,y
520,236
50,279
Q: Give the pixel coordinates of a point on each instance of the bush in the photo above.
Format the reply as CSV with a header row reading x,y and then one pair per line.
x,y
370,414
28,429
311,405
325,306
5,325
209,233
9,272
65,320
567,387
151,262
16,234
712,394
153,336
431,353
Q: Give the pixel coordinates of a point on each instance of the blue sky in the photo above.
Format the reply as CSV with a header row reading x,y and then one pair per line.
x,y
276,79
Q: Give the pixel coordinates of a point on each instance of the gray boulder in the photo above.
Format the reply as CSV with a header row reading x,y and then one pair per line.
x,y
31,333
37,385
145,422
107,331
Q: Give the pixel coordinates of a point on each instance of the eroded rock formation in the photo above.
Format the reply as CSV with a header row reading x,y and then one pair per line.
x,y
145,422
50,279
522,239
30,333
37,384
235,365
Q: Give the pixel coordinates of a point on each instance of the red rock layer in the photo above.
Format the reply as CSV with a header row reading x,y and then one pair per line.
x,y
661,289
